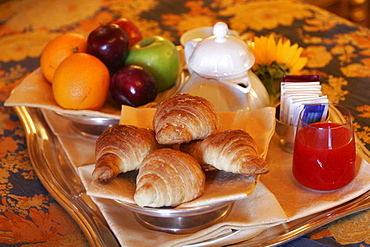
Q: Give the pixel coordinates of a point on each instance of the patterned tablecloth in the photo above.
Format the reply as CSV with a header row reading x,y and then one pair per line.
x,y
337,50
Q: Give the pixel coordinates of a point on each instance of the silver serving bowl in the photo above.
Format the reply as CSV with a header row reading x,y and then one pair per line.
x,y
180,220
89,126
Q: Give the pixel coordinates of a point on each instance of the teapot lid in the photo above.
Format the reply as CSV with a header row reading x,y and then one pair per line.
x,y
221,54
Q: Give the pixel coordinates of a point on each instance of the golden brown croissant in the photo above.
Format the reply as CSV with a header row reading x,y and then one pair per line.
x,y
168,177
232,151
122,148
183,118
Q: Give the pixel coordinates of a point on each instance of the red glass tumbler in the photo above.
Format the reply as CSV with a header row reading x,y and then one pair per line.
x,y
324,151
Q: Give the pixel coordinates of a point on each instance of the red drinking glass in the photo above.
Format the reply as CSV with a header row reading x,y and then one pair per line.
x,y
324,151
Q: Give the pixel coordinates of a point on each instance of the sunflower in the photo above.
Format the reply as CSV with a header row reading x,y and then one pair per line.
x,y
275,58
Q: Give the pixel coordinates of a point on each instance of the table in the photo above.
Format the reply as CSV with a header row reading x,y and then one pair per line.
x,y
337,50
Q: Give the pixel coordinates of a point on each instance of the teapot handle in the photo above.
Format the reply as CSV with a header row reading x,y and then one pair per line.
x,y
242,84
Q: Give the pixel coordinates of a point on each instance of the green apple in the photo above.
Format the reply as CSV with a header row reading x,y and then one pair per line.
x,y
160,57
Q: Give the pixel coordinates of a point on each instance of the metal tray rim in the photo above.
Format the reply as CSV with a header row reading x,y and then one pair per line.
x,y
73,199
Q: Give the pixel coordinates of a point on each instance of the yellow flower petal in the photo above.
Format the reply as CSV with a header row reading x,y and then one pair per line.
x,y
267,50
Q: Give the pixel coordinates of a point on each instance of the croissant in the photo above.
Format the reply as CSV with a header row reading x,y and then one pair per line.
x,y
168,177
231,151
183,118
122,148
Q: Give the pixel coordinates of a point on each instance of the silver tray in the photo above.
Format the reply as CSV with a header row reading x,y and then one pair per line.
x,y
53,167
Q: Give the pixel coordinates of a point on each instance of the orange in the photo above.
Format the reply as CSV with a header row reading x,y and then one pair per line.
x,y
58,49
81,81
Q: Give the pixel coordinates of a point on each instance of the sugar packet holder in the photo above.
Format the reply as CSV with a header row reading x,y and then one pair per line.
x,y
296,93
292,94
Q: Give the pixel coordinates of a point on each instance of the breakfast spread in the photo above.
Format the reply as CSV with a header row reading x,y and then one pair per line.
x,y
174,173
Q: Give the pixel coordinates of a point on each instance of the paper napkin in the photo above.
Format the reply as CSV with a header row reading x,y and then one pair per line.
x,y
250,214
277,198
36,91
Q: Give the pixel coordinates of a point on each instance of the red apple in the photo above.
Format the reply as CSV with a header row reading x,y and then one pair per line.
x,y
133,32
110,44
133,85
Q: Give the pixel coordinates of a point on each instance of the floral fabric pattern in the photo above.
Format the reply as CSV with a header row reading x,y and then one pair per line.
x,y
337,50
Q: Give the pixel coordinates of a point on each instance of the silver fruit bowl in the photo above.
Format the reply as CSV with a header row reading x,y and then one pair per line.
x,y
89,126
93,126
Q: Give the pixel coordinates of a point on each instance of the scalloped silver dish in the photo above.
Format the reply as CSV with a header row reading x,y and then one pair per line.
x,y
180,220
53,168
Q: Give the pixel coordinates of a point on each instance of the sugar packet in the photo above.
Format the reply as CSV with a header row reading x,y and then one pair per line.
x,y
317,113
298,92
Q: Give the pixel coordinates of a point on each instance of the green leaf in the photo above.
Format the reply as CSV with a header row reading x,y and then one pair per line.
x,y
271,76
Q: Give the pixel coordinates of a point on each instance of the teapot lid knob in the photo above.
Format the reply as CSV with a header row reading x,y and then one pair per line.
x,y
219,55
220,30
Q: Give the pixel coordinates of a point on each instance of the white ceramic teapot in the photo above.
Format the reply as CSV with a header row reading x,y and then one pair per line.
x,y
219,68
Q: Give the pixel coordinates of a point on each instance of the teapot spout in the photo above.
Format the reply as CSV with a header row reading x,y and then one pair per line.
x,y
240,85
